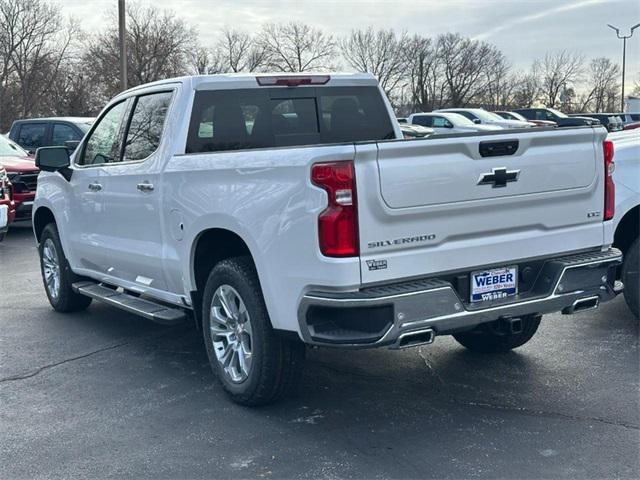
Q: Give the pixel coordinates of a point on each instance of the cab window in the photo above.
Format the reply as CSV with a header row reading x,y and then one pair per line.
x,y
423,120
145,126
62,133
441,122
32,135
103,144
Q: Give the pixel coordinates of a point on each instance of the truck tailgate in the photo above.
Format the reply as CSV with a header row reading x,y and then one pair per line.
x,y
444,204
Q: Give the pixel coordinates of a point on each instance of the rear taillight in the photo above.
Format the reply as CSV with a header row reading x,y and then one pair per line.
x,y
338,223
609,186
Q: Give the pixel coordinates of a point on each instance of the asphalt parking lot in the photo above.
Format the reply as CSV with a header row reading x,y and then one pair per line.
x,y
106,394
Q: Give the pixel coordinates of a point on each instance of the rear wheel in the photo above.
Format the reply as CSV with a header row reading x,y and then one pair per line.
x,y
630,274
57,275
254,365
495,337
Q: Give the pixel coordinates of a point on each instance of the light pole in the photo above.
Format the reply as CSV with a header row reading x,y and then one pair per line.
x,y
624,52
122,38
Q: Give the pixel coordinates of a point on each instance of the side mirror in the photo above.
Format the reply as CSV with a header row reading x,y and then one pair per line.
x,y
71,145
52,159
477,121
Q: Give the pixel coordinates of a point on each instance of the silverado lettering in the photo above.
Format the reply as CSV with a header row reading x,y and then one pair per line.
x,y
401,241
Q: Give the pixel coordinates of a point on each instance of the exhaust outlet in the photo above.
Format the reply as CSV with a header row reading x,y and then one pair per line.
x,y
583,304
415,338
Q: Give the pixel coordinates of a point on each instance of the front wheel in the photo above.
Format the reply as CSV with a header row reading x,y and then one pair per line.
x,y
493,338
254,365
57,275
630,274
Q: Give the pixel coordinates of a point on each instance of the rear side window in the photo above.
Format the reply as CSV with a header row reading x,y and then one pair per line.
x,y
423,120
441,122
32,135
464,113
528,114
145,126
62,133
271,117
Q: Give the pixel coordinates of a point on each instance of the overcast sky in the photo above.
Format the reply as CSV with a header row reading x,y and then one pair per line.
x,y
522,29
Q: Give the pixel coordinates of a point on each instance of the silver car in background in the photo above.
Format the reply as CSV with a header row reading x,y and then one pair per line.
x,y
445,122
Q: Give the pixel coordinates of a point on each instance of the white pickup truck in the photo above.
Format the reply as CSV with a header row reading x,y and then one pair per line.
x,y
627,216
285,210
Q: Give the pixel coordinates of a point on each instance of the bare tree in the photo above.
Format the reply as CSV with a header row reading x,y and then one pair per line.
x,y
204,61
602,85
72,92
241,51
636,88
465,66
296,47
380,52
559,72
424,73
159,46
500,85
527,88
10,37
33,45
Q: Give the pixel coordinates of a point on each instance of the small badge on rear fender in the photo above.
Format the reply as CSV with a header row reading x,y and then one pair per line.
x,y
376,264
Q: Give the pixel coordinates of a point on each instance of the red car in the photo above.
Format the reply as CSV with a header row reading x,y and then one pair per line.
x,y
7,207
23,175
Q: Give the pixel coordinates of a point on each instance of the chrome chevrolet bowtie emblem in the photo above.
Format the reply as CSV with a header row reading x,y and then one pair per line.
x,y
499,177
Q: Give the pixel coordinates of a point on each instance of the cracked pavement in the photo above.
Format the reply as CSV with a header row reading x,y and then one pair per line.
x,y
103,393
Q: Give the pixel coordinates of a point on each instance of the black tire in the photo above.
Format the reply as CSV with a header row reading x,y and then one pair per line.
x,y
276,363
66,299
630,269
2,235
487,339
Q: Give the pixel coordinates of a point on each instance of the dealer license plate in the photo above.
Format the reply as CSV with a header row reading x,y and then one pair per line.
x,y
494,284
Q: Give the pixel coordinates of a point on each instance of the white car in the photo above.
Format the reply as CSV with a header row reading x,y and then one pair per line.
x,y
284,210
482,117
626,221
449,122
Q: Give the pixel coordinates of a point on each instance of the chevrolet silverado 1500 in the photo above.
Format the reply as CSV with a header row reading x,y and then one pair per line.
x,y
284,210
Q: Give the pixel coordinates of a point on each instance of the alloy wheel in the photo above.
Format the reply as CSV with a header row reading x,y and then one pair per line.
x,y
51,268
231,333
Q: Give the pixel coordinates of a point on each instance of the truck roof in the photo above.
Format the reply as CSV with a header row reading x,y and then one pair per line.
x,y
250,80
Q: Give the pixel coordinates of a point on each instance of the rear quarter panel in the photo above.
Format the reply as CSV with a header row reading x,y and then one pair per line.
x,y
265,197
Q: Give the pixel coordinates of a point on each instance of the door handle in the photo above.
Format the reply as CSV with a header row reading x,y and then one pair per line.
x,y
145,187
95,187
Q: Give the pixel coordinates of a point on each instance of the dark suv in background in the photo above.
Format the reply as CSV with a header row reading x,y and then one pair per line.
x,y
553,115
611,121
45,132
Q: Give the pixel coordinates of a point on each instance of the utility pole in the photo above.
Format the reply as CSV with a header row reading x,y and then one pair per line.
x,y
624,52
122,37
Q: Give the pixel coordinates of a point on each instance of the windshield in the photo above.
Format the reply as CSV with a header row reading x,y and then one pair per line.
x,y
487,116
460,120
10,149
517,116
558,113
84,126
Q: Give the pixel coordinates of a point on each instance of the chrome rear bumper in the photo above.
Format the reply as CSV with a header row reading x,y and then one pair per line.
x,y
384,315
